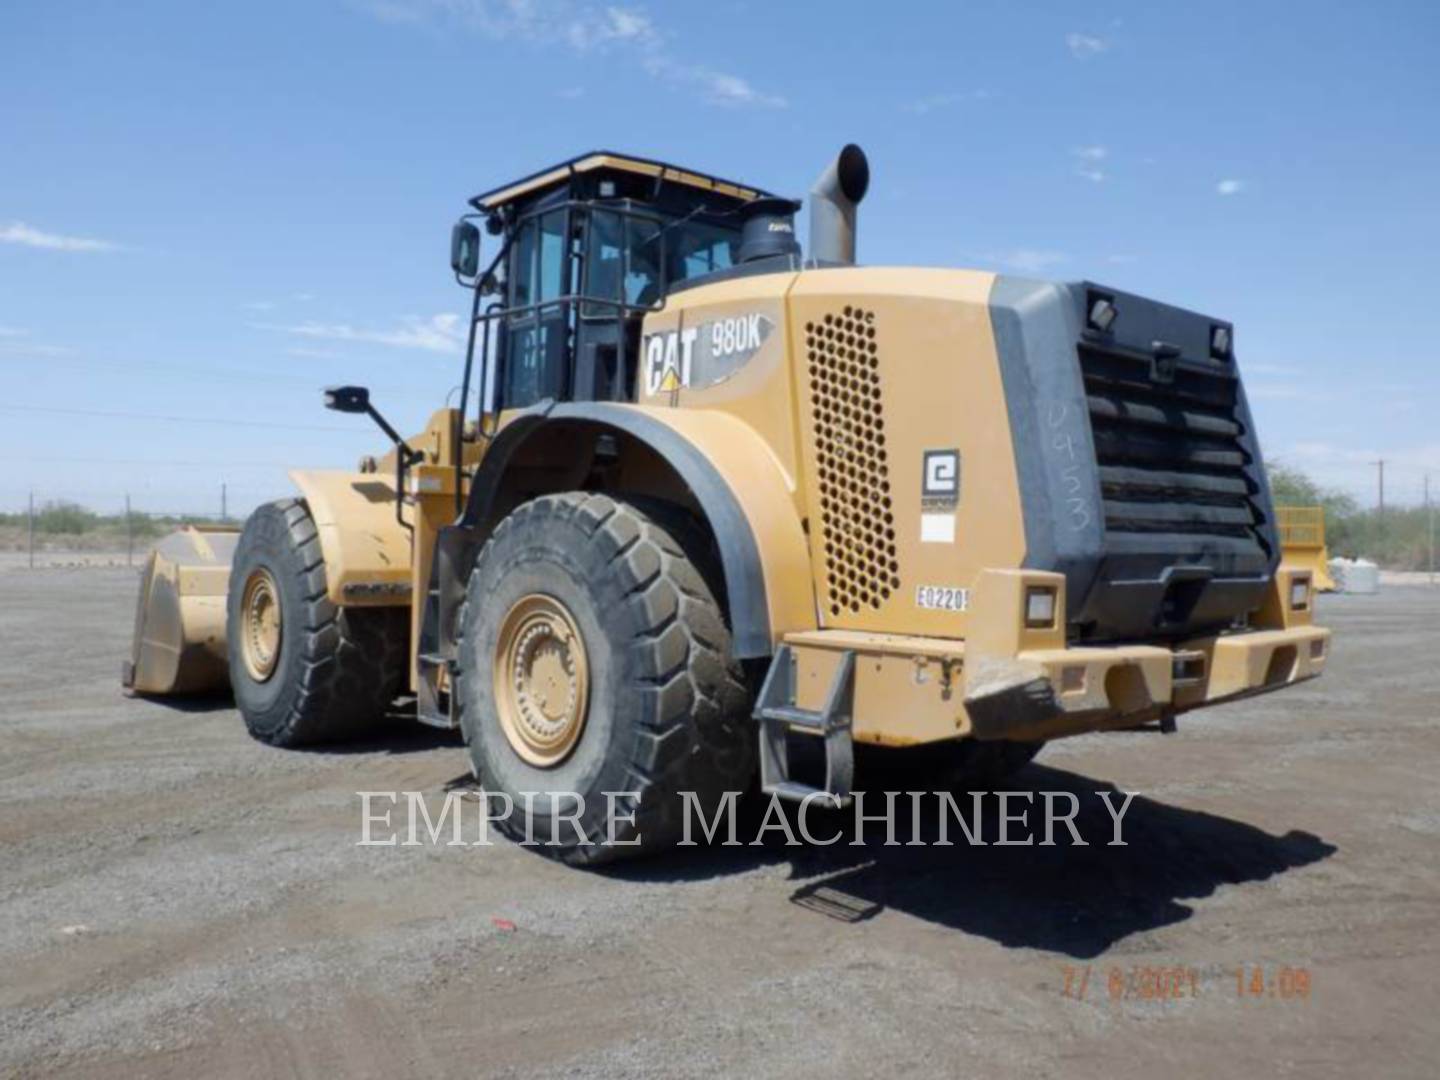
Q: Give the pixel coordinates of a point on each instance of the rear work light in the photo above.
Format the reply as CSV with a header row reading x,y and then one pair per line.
x,y
1299,593
1039,607
1101,312
1221,342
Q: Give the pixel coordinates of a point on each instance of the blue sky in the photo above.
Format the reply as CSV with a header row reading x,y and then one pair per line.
x,y
208,212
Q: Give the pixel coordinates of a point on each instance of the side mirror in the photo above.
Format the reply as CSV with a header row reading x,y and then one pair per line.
x,y
347,399
465,248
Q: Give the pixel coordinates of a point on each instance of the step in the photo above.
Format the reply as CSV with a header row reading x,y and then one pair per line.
x,y
779,716
804,719
796,792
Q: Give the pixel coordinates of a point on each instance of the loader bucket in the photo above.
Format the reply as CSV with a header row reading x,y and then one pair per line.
x,y
179,645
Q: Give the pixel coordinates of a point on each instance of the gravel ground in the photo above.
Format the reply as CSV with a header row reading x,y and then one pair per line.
x,y
178,900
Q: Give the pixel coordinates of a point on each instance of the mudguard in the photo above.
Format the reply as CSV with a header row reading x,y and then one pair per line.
x,y
367,551
748,500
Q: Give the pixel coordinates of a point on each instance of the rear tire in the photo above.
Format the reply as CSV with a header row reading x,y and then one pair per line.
x,y
304,671
581,601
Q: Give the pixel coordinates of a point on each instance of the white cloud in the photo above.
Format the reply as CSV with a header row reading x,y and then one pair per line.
x,y
1088,159
1084,46
16,347
12,331
921,106
17,232
1353,468
584,27
722,89
439,333
623,24
1230,187
259,305
1028,260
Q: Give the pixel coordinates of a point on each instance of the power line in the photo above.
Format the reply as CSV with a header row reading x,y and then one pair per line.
x,y
208,421
159,462
251,376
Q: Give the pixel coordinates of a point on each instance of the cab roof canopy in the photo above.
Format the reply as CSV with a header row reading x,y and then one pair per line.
x,y
605,160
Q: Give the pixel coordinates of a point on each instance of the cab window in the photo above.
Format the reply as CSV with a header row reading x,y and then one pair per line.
x,y
622,263
536,333
703,249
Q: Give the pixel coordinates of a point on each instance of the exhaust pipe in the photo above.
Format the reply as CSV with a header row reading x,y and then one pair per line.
x,y
833,199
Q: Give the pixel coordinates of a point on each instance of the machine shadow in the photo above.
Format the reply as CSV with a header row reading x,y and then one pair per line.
x,y
205,702
403,735
1077,901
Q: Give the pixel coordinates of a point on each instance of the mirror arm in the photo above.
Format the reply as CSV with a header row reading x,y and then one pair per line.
x,y
390,432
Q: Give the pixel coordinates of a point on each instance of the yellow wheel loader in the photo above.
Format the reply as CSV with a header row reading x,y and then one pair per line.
x,y
1302,542
718,496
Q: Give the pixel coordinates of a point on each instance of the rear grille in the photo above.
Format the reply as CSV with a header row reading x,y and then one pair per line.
x,y
1175,476
856,516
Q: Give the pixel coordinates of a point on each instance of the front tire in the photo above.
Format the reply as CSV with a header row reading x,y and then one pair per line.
x,y
594,658
304,671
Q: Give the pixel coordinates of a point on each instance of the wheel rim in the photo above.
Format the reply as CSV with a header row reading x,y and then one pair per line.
x,y
542,680
260,625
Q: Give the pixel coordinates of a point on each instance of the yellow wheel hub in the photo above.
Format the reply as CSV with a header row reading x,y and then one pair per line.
x,y
260,625
542,680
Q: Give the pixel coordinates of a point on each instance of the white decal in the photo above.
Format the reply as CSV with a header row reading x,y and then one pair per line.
x,y
702,355
668,359
941,598
729,336
654,363
937,528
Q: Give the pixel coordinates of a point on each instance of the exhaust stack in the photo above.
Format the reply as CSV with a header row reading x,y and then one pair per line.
x,y
833,199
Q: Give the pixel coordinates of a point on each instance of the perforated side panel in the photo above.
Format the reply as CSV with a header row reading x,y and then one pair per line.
x,y
856,516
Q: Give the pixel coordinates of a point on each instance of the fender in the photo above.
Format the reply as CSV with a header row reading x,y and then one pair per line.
x,y
367,553
748,501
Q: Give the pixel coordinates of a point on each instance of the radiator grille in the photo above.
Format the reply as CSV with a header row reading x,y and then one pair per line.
x,y
1174,473
857,519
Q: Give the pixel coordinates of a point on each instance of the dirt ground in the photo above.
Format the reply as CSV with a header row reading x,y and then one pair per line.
x,y
178,900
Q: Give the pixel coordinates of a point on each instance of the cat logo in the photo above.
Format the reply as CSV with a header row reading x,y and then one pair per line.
x,y
703,355
668,360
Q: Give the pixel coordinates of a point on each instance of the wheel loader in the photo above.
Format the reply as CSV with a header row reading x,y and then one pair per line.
x,y
713,510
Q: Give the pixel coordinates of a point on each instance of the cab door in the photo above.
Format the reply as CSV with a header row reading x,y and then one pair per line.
x,y
537,326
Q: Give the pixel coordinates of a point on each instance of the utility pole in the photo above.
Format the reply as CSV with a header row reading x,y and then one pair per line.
x,y
129,534
31,517
1430,513
1381,466
223,515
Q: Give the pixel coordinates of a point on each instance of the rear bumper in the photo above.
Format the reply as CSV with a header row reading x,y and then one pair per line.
x,y
1013,677
1046,693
